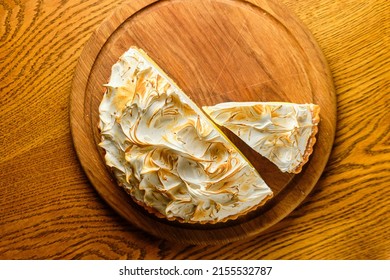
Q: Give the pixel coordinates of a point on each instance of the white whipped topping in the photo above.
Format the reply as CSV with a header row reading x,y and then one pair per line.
x,y
166,153
279,131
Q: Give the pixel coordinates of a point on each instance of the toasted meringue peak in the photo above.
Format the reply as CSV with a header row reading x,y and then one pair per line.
x,y
280,131
167,154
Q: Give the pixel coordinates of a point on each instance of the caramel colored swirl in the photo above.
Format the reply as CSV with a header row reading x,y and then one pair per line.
x,y
166,153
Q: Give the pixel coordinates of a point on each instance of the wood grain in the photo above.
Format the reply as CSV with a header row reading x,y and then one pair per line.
x,y
49,210
289,67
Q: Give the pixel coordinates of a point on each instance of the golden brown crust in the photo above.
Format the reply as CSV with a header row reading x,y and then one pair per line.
x,y
315,112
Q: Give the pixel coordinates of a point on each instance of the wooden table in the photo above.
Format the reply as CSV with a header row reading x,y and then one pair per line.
x,y
49,210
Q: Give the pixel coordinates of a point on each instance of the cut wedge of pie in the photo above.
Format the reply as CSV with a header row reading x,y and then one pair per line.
x,y
167,154
282,132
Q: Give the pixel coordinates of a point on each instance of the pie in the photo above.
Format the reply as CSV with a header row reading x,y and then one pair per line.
x,y
282,132
167,154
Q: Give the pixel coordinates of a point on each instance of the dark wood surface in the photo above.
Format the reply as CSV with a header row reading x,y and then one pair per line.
x,y
50,210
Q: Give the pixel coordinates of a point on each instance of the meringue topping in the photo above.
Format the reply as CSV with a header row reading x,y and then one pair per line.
x,y
280,131
167,154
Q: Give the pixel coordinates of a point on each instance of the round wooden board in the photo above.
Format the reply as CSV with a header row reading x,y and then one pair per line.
x,y
216,51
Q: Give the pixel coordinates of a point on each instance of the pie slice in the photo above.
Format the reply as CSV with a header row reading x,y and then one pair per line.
x,y
167,154
282,132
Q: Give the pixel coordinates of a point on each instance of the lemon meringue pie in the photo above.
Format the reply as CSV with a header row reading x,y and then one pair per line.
x,y
280,131
167,154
